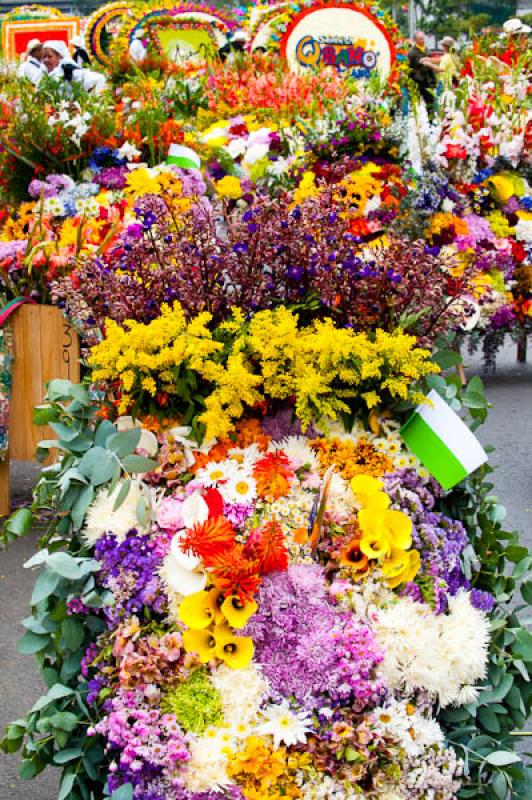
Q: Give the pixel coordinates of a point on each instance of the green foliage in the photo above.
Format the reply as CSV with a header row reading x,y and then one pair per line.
x,y
94,455
485,732
54,732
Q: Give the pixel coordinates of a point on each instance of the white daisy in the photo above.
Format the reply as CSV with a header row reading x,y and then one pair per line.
x,y
286,726
240,488
299,452
215,472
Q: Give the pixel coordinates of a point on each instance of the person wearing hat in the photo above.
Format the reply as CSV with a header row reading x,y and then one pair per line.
x,y
421,74
32,67
61,67
236,43
515,33
79,53
137,49
447,68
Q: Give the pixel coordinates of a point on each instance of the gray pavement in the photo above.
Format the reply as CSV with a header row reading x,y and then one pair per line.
x,y
509,429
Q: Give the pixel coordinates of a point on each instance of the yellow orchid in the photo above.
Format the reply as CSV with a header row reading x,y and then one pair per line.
x,y
236,651
401,567
201,609
236,612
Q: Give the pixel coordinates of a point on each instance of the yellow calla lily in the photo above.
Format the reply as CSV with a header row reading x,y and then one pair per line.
x,y
385,524
401,568
365,485
376,545
378,501
201,642
236,651
196,610
236,612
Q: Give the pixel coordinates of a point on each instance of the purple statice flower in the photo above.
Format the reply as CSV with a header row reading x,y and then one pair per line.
x,y
504,317
130,570
484,601
112,177
151,746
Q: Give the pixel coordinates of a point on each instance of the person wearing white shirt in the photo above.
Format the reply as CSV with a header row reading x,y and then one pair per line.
x,y
137,48
32,67
60,66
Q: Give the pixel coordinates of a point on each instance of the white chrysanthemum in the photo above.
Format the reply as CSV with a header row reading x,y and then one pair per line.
x,y
100,517
412,731
286,726
439,653
215,472
323,787
239,488
340,498
523,230
241,699
207,768
245,457
298,450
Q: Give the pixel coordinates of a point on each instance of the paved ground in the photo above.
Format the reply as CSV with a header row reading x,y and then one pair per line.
x,y
509,428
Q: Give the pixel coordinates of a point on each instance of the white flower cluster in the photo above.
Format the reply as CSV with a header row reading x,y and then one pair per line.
x,y
443,654
102,517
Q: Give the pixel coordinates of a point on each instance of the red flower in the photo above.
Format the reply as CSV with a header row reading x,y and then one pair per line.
x,y
267,546
234,573
208,539
272,474
455,151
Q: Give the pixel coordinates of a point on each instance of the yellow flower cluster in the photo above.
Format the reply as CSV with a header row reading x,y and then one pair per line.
x,y
322,366
386,535
307,188
208,617
265,773
357,188
229,187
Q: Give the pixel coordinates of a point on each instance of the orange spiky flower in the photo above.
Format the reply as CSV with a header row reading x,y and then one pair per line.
x,y
272,475
207,539
267,546
235,574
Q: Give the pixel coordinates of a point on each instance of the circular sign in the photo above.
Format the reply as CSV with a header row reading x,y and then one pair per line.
x,y
348,38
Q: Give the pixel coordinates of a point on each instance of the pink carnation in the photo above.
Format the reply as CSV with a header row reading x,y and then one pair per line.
x,y
169,514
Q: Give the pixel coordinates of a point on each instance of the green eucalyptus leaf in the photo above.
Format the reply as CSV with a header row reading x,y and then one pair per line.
x,y
142,511
522,567
44,414
65,565
73,633
44,586
64,720
134,463
522,647
489,719
67,782
499,785
124,792
65,433
57,692
122,494
502,758
67,755
103,431
32,643
79,509
97,465
125,442
19,523
447,358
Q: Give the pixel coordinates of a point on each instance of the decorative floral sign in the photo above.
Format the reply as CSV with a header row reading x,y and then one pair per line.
x,y
346,37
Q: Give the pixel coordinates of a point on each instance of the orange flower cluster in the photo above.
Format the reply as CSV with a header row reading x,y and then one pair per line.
x,y
351,459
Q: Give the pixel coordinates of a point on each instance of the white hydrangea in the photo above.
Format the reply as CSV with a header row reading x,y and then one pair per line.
x,y
241,696
101,518
523,231
443,654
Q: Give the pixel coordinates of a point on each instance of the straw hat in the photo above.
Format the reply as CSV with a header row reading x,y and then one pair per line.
x,y
515,25
448,41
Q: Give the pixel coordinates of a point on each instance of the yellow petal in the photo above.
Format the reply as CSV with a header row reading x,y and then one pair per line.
x,y
399,527
366,484
409,571
237,613
196,610
379,500
201,642
236,651
375,545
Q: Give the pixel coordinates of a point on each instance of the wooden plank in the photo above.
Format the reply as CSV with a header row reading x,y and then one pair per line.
x,y
45,347
4,487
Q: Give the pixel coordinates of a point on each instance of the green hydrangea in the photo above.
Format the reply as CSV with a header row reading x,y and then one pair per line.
x,y
195,703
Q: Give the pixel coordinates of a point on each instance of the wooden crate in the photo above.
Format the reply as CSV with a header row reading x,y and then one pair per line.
x,y
45,347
